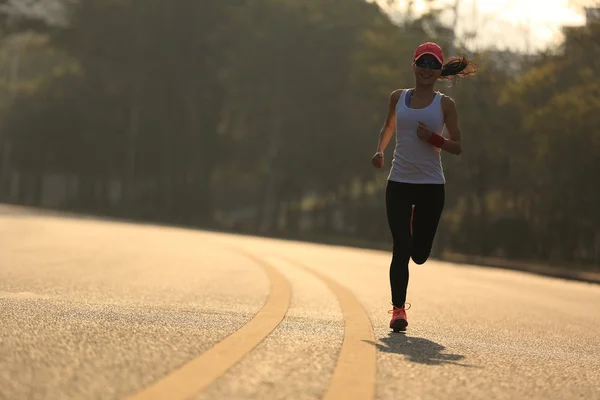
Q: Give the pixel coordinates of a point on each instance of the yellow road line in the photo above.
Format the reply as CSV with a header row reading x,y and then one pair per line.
x,y
354,374
199,373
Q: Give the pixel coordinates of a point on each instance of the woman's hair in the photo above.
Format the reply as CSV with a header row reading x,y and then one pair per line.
x,y
458,66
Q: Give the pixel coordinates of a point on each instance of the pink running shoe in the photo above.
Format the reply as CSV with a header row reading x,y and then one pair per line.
x,y
399,321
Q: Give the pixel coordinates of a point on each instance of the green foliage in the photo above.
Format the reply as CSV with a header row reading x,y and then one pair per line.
x,y
264,115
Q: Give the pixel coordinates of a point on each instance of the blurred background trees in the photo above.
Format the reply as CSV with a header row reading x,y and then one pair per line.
x,y
262,116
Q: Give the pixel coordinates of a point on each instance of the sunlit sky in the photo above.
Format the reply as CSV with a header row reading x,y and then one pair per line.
x,y
509,24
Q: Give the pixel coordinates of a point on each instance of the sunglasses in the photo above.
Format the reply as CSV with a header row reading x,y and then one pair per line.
x,y
434,64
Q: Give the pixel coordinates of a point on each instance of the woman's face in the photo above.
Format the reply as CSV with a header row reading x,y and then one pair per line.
x,y
427,70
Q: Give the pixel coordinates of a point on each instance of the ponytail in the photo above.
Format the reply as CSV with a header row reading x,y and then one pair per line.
x,y
458,66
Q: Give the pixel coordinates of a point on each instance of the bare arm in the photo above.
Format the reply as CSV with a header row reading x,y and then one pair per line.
x,y
385,135
453,144
387,130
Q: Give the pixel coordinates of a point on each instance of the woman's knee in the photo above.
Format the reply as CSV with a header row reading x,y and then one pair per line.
x,y
420,257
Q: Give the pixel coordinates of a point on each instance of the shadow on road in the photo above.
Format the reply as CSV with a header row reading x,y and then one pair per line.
x,y
418,350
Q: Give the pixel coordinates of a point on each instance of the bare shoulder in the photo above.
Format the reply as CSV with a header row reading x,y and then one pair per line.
x,y
448,103
394,98
396,93
447,100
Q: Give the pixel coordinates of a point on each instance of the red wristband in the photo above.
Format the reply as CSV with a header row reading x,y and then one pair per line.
x,y
436,139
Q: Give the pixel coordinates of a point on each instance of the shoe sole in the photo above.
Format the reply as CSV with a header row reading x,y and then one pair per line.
x,y
399,325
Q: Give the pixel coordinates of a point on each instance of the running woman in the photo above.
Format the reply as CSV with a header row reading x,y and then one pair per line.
x,y
415,191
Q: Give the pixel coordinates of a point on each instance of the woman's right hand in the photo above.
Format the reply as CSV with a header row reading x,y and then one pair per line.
x,y
377,160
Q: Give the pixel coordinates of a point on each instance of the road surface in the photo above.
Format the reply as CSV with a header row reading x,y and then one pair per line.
x,y
94,309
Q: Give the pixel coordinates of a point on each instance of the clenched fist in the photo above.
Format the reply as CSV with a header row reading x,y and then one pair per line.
x,y
423,131
377,160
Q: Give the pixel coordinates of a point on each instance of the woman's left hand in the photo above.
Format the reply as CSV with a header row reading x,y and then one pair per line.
x,y
423,132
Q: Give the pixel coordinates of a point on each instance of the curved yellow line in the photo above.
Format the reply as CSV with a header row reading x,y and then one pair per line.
x,y
356,368
199,373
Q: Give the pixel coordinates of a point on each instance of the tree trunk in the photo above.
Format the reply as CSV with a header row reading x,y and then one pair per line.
x,y
131,151
38,183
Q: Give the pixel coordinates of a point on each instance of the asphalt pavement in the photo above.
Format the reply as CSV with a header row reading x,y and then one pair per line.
x,y
93,309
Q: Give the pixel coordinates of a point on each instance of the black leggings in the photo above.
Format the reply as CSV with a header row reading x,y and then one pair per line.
x,y
428,200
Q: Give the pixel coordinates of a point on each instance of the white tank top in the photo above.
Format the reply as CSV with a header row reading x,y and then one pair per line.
x,y
416,161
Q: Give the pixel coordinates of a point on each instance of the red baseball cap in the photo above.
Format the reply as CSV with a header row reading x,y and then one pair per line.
x,y
430,48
